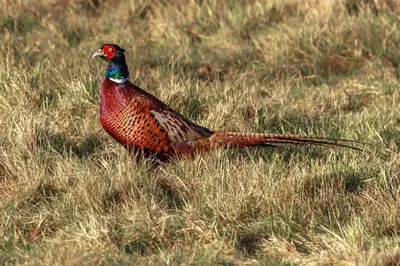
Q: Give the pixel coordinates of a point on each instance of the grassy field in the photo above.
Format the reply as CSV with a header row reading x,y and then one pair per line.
x,y
70,195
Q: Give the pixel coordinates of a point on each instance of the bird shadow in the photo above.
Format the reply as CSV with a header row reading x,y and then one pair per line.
x,y
46,140
285,153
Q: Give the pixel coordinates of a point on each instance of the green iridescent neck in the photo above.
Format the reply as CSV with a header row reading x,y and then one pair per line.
x,y
117,70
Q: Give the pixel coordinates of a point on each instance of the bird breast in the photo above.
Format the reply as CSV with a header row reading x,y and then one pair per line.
x,y
112,106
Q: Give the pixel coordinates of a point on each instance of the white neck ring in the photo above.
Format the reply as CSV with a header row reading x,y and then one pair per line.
x,y
122,80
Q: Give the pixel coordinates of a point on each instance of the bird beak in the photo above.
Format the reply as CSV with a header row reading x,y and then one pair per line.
x,y
99,53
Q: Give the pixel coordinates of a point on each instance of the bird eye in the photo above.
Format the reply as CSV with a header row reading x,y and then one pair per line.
x,y
110,49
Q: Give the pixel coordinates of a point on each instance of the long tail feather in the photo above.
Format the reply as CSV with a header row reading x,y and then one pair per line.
x,y
221,138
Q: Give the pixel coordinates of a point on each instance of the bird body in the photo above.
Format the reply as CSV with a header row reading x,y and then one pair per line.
x,y
140,121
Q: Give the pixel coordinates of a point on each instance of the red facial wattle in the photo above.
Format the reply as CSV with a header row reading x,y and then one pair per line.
x,y
109,51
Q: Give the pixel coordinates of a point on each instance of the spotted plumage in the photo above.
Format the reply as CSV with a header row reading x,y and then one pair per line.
x,y
140,121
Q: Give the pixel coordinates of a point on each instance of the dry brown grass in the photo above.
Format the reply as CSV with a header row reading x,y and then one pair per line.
x,y
70,195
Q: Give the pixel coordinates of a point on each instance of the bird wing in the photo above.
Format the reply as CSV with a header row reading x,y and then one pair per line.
x,y
157,127
178,127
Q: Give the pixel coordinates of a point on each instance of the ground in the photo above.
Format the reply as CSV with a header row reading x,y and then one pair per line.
x,y
71,195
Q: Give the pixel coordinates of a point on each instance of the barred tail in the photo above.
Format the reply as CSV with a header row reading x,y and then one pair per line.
x,y
220,138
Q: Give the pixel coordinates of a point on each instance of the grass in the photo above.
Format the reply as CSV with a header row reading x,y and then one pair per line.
x,y
70,195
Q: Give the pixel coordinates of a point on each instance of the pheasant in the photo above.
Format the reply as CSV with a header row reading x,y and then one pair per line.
x,y
141,122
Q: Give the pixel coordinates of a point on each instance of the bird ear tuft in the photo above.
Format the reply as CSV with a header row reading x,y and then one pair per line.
x,y
120,49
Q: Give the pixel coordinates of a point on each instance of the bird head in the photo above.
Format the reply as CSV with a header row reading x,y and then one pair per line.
x,y
109,52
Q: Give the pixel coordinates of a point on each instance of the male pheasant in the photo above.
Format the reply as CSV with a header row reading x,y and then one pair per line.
x,y
140,121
